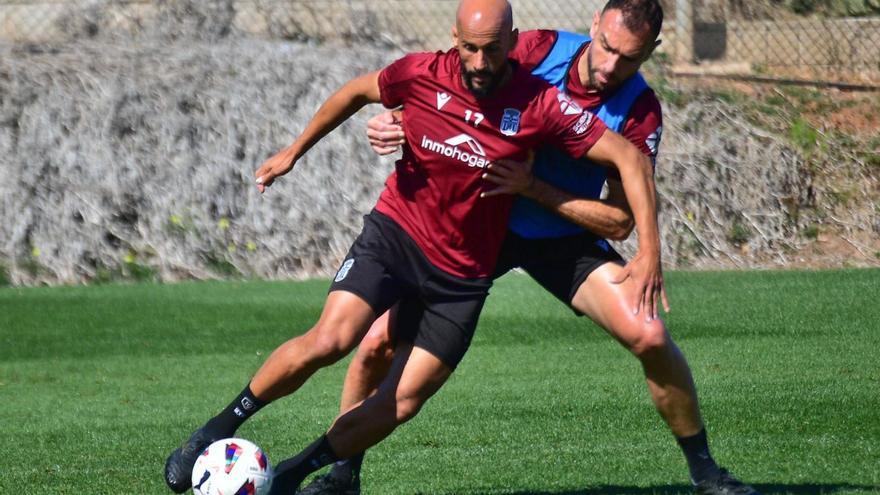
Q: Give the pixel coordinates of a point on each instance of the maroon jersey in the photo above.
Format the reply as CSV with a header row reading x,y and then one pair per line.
x,y
434,193
644,124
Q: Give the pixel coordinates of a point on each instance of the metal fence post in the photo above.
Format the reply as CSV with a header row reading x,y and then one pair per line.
x,y
684,31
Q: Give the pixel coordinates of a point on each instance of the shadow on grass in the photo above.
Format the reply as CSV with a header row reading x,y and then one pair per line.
x,y
766,489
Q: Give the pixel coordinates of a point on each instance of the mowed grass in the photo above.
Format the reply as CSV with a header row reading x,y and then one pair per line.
x,y
99,384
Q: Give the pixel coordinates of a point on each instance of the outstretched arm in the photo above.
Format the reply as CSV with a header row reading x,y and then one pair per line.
x,y
335,110
637,177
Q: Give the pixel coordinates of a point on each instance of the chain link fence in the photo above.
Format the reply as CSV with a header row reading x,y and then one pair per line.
x,y
804,39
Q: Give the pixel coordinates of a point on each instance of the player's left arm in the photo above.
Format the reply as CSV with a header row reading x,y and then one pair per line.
x,y
637,177
336,109
643,128
611,217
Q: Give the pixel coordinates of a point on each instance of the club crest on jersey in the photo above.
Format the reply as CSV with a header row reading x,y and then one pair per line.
x,y
343,270
567,106
510,121
442,100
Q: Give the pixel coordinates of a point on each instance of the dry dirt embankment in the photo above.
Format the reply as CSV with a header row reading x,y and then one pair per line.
x,y
135,160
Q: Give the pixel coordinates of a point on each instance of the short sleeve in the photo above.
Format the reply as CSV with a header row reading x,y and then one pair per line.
x,y
532,47
395,80
644,125
570,128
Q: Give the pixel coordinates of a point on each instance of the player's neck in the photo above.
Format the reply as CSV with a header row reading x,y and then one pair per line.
x,y
508,73
583,68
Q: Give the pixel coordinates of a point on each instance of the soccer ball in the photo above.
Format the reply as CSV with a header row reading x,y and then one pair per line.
x,y
232,466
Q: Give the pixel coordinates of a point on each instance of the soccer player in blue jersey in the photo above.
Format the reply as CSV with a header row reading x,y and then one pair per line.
x,y
558,227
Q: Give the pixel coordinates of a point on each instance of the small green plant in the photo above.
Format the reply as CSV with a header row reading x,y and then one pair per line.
x,y
811,232
176,225
739,234
221,266
4,276
803,134
135,270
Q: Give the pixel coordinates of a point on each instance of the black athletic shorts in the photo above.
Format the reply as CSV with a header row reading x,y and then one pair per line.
x,y
438,312
559,264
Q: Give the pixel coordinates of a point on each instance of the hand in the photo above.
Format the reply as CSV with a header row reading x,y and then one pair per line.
x,y
386,132
276,166
511,176
647,276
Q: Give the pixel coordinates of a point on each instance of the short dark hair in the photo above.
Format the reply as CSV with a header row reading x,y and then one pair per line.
x,y
637,13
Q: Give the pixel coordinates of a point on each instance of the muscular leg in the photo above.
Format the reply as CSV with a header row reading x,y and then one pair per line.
x,y
371,362
368,368
666,370
414,377
342,324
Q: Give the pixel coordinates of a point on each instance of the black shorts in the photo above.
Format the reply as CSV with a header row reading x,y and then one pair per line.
x,y
560,264
438,312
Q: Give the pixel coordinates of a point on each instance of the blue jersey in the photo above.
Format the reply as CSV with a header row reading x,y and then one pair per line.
x,y
580,177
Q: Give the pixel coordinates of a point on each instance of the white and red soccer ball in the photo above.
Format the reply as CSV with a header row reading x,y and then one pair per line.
x,y
232,466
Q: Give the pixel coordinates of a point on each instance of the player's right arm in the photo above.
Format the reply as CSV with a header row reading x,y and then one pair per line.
x,y
336,109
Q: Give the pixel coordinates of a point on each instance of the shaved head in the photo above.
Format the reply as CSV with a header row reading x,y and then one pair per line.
x,y
484,35
484,16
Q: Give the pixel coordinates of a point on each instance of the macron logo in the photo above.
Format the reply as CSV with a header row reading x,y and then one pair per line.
x,y
442,100
451,149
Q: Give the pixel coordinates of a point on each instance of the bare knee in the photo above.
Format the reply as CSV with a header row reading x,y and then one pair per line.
x,y
407,408
328,344
375,350
401,407
651,340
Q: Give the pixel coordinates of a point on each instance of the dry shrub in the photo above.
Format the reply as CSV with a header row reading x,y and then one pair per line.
x,y
124,157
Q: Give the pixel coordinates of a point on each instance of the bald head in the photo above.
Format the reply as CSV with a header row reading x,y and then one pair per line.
x,y
484,16
484,35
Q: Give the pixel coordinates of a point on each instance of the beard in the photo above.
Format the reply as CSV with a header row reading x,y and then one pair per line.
x,y
492,81
610,80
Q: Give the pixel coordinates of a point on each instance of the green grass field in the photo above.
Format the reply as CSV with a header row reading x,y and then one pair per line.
x,y
99,384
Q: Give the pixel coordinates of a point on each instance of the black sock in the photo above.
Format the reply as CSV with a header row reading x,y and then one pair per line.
x,y
291,472
237,412
696,451
348,470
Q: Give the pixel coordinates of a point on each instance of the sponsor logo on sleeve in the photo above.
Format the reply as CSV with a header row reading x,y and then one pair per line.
x,y
583,123
653,141
567,106
510,121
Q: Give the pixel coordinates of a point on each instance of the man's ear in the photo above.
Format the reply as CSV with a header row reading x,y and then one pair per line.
x,y
594,27
654,47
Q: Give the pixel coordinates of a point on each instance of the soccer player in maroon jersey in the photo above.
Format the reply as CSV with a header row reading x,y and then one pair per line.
x,y
432,241
597,72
